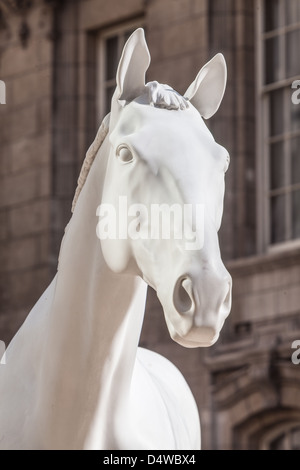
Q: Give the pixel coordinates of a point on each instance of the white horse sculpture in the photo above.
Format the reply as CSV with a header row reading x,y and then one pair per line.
x,y
74,376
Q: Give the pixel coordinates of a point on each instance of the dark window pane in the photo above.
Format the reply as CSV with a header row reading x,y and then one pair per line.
x,y
296,214
277,177
295,438
292,8
278,443
295,158
272,61
111,57
278,219
128,34
292,53
290,440
276,112
272,16
108,97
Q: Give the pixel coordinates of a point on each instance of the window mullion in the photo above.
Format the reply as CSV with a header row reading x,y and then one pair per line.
x,y
288,165
266,171
282,42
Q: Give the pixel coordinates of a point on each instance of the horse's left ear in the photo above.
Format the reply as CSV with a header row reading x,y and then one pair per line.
x,y
132,67
207,90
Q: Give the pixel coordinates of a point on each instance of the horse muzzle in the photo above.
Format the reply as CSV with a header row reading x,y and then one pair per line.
x,y
197,310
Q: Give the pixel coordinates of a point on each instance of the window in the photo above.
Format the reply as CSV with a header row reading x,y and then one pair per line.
x,y
288,440
279,121
110,44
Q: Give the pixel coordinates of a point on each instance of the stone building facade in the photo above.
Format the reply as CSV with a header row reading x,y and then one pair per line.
x,y
57,60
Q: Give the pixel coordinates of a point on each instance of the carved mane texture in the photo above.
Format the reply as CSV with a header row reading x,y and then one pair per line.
x,y
163,96
90,157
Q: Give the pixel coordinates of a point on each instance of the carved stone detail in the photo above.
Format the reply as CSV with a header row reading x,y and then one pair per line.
x,y
21,9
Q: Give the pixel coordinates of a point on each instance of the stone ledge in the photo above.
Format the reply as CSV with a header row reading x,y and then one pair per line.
x,y
265,262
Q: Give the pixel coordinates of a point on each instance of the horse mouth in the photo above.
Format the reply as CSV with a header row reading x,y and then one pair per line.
x,y
197,337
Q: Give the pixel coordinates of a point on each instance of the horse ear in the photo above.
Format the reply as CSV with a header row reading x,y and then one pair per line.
x,y
132,67
207,90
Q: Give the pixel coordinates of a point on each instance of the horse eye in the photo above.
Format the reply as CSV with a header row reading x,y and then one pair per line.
x,y
124,154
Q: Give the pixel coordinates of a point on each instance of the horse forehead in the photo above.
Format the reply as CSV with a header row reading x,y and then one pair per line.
x,y
160,128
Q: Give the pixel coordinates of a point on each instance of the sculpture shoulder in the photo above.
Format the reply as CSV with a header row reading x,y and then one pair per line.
x,y
166,376
160,367
162,397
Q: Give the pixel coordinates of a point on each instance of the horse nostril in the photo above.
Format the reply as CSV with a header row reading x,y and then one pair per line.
x,y
183,295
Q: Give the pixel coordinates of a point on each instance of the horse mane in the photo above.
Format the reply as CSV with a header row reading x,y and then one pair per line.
x,y
160,96
90,157
163,96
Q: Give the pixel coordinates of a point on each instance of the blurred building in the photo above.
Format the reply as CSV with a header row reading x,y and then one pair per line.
x,y
58,61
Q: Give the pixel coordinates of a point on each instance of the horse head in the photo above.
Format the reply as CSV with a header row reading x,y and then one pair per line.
x,y
165,181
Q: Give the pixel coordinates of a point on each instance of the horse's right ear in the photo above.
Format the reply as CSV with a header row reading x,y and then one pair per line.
x,y
132,67
207,90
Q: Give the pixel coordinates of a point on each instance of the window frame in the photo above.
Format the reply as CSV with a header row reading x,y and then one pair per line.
x,y
264,140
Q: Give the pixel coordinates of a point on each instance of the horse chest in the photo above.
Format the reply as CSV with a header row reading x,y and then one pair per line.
x,y
161,405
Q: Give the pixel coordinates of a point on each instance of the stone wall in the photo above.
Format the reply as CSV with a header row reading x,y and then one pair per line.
x,y
254,383
25,163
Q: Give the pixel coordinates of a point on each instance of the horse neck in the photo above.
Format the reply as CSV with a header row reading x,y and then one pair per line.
x,y
93,330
